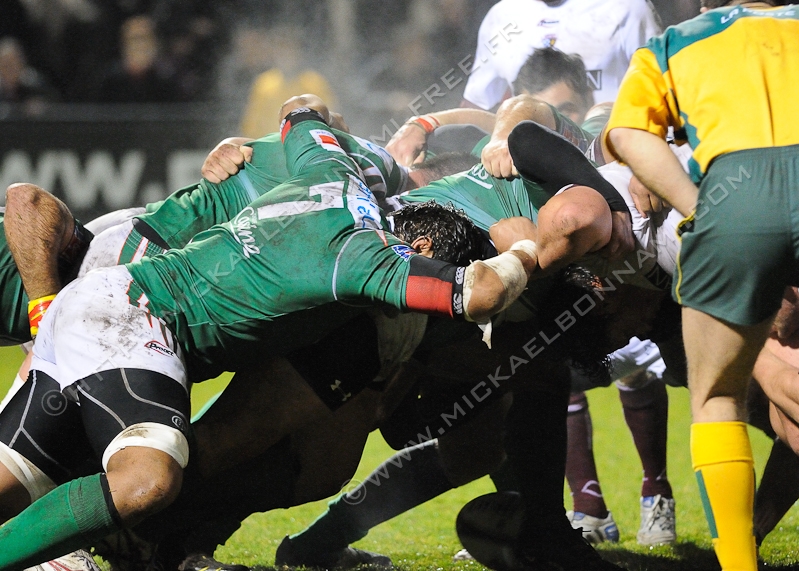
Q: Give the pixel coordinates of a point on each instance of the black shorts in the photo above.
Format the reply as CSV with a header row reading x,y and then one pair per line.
x,y
64,433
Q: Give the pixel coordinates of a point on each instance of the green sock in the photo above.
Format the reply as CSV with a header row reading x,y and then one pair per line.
x,y
70,517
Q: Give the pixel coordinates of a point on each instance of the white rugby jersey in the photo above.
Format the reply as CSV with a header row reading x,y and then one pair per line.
x,y
605,33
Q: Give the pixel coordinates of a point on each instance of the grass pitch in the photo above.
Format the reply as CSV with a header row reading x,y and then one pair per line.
x,y
425,539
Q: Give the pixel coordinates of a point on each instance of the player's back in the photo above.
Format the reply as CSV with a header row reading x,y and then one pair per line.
x,y
735,75
197,207
484,198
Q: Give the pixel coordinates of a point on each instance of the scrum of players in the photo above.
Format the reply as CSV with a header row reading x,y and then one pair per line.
x,y
347,287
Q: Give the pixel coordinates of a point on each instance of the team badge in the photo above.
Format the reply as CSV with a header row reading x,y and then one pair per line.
x,y
403,251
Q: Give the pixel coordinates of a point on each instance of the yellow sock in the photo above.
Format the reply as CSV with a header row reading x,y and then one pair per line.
x,y
722,461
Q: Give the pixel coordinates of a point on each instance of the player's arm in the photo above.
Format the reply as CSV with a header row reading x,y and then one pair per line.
x,y
544,157
45,241
574,223
495,156
226,159
476,292
655,166
636,132
408,144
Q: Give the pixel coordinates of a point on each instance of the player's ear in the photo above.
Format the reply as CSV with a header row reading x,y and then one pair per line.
x,y
423,245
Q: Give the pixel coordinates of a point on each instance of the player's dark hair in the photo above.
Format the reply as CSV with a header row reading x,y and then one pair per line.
x,y
569,316
455,238
547,66
446,164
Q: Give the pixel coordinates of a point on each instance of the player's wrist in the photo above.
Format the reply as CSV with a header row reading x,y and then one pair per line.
x,y
428,123
36,310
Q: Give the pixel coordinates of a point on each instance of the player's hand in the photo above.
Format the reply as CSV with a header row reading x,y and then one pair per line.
x,y
226,159
407,144
497,160
622,241
510,230
645,201
787,321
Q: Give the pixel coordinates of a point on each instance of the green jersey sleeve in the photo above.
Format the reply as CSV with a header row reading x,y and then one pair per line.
x,y
14,327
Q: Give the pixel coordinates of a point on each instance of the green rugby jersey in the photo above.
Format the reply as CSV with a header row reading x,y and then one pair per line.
x,y
14,326
485,199
315,239
197,207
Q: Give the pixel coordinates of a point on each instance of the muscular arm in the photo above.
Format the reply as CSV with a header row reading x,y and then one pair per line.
x,y
574,223
410,141
655,165
38,227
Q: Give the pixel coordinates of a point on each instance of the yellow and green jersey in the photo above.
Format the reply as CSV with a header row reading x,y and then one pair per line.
x,y
729,78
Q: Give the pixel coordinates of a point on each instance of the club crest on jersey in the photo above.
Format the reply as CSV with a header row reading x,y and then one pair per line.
x,y
160,348
242,228
326,140
403,251
549,41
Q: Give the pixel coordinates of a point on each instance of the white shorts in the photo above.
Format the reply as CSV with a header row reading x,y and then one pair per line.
x,y
91,327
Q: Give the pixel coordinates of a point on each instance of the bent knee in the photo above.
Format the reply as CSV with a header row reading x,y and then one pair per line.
x,y
143,481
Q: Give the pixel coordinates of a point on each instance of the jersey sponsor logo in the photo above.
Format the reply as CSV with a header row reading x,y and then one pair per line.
x,y
594,77
459,275
242,228
403,251
547,23
160,348
326,140
179,423
479,175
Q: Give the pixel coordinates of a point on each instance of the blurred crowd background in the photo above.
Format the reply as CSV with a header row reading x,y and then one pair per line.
x,y
113,102
366,55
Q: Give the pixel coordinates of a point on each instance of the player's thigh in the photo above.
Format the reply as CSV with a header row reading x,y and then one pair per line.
x,y
328,452
476,447
720,357
42,442
257,409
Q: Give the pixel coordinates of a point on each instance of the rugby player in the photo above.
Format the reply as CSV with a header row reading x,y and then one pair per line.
x,y
746,179
126,338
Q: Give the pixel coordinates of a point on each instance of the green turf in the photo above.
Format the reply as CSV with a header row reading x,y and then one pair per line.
x,y
425,538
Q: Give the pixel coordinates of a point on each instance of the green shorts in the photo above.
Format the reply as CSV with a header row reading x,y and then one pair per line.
x,y
741,246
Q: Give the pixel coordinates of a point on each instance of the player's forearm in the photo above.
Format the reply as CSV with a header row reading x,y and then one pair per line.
x,y
466,116
521,108
492,285
656,167
37,226
777,379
